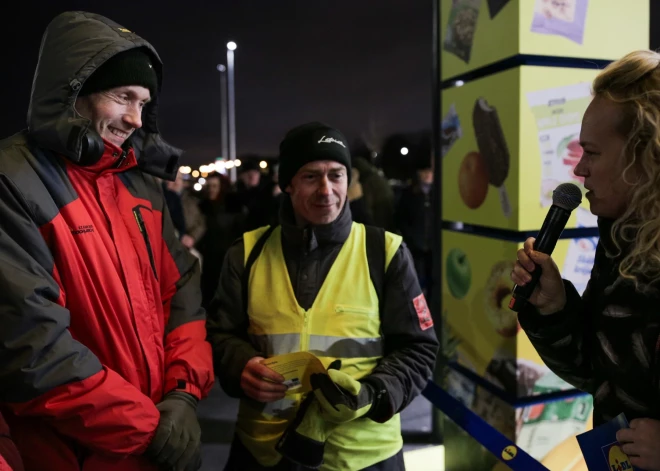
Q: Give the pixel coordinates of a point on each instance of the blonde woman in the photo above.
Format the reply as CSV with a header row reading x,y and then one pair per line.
x,y
607,341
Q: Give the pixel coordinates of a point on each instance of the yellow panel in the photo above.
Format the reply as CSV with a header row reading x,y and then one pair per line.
x,y
467,262
608,30
525,121
500,91
493,39
537,182
476,291
612,28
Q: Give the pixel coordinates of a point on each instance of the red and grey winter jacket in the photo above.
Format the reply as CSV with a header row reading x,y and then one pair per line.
x,y
99,303
10,459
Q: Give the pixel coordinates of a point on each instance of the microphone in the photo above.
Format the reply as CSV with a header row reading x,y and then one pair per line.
x,y
565,198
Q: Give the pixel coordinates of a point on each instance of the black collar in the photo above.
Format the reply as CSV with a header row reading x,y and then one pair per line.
x,y
311,237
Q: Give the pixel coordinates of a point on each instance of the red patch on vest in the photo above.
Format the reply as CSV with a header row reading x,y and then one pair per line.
x,y
423,313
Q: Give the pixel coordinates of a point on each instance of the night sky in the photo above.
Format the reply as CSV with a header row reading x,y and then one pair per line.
x,y
363,66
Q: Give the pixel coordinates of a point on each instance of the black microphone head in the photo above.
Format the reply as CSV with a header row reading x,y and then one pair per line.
x,y
567,196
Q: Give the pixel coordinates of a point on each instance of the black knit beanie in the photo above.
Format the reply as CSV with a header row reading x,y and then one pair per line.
x,y
309,143
132,67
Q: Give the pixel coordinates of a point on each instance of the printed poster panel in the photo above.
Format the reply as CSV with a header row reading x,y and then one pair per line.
x,y
509,140
476,33
483,335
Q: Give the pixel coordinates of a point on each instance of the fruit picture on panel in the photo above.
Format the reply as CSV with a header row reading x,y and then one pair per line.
x,y
473,180
489,165
459,273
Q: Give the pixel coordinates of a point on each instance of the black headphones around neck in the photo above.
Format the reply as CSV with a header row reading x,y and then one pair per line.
x,y
92,145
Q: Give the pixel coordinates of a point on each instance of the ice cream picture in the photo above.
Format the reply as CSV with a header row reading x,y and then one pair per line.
x,y
492,146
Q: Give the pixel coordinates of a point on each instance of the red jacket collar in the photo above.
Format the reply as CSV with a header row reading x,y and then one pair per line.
x,y
114,159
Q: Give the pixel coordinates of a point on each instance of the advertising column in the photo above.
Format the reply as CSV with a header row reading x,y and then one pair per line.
x,y
516,80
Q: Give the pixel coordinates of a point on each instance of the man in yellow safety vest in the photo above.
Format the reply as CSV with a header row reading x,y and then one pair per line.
x,y
346,293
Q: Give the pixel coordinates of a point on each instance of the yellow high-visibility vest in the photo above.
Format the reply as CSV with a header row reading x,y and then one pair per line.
x,y
343,323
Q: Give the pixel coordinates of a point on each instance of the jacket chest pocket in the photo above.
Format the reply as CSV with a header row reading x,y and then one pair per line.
x,y
355,310
355,321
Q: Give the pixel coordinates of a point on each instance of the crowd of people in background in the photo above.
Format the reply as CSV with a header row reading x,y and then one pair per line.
x,y
209,221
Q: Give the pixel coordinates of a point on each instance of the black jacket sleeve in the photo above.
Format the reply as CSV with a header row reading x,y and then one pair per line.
x,y
559,338
411,344
227,324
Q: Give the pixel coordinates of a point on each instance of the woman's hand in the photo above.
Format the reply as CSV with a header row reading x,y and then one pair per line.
x,y
549,296
641,442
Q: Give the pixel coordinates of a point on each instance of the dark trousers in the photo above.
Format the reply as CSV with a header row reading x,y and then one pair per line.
x,y
240,459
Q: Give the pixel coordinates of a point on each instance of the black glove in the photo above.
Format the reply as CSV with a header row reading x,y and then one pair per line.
x,y
304,440
342,398
336,398
176,445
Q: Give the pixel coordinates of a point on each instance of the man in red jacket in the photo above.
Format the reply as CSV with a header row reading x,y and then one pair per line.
x,y
10,459
102,347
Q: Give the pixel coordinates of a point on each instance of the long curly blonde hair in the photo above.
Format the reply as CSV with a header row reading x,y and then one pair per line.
x,y
634,82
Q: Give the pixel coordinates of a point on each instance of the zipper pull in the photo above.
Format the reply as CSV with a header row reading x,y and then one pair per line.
x,y
120,159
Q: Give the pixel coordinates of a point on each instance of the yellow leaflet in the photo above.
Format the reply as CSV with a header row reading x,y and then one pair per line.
x,y
297,369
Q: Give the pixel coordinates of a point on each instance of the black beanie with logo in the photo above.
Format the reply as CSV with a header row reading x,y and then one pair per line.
x,y
132,67
311,142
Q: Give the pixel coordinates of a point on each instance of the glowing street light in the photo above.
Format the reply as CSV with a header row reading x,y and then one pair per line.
x,y
231,110
224,112
404,151
263,164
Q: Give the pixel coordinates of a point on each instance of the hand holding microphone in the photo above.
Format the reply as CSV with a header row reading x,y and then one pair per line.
x,y
549,295
536,275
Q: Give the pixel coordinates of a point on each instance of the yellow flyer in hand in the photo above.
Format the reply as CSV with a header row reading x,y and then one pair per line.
x,y
296,368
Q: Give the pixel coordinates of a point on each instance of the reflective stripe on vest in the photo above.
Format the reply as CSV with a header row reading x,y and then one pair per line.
x,y
319,345
343,322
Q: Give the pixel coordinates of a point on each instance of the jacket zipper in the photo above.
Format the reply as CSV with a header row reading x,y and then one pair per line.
x,y
143,230
145,235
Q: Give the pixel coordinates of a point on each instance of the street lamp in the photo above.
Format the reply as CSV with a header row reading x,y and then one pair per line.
x,y
223,110
231,47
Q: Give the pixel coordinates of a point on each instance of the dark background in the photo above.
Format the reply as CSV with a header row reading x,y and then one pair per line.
x,y
363,66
